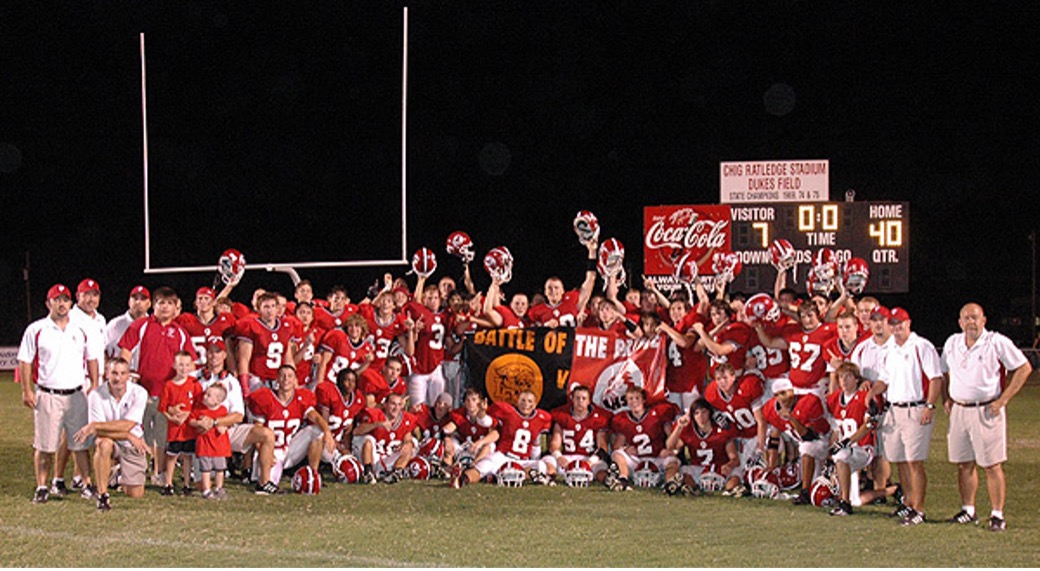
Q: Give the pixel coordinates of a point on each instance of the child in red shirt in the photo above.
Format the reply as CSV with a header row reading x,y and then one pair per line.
x,y
213,445
176,402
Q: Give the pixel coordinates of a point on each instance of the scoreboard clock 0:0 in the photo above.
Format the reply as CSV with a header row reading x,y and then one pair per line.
x,y
878,232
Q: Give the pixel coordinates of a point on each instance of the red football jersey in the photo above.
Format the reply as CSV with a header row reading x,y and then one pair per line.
x,y
509,319
579,435
834,348
772,363
429,426
805,348
342,411
648,433
389,440
211,444
429,344
308,350
382,334
808,410
707,450
201,331
739,335
741,406
518,434
329,321
270,344
372,382
284,419
186,394
344,353
850,415
687,368
469,429
565,312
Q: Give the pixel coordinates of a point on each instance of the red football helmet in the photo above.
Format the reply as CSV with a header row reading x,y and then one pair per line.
x,y
231,266
586,227
782,254
686,271
431,448
814,285
460,245
306,480
821,492
611,259
424,262
726,265
348,469
753,474
419,468
825,264
711,482
856,275
767,486
499,264
579,474
762,307
789,476
647,475
511,474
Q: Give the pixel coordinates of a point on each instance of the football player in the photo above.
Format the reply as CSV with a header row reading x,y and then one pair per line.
x,y
339,404
561,307
430,328
711,448
639,435
284,412
741,403
804,344
839,348
803,419
520,429
510,316
580,432
265,343
469,436
383,440
687,367
205,323
386,327
310,336
377,387
431,421
727,341
345,348
338,310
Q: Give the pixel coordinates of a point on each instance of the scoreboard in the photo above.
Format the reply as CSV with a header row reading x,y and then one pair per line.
x,y
878,232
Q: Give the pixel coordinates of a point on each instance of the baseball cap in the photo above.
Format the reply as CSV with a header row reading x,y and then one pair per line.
x,y
141,291
899,315
782,385
880,312
88,285
205,291
58,290
216,343
405,291
445,397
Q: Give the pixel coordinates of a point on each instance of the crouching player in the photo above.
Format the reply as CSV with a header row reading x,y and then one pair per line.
x,y
852,445
741,403
803,419
284,412
580,432
469,437
712,450
384,442
639,436
520,429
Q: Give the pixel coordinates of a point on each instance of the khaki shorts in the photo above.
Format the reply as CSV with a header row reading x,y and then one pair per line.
x,y
902,438
131,464
154,424
977,436
238,435
54,413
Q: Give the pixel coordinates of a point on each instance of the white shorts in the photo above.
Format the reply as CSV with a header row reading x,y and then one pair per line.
x,y
977,436
381,463
818,448
565,460
684,400
492,463
857,457
901,437
633,462
425,388
54,413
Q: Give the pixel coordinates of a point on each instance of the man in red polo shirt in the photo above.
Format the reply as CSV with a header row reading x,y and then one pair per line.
x,y
156,339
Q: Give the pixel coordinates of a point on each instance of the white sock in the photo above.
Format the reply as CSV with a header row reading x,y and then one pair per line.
x,y
970,510
997,513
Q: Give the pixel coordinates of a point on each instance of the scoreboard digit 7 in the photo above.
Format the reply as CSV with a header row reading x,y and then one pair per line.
x,y
878,232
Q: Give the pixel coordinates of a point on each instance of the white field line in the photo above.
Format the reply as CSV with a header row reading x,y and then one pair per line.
x,y
275,555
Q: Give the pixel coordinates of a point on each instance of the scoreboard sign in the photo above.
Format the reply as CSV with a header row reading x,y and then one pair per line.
x,y
878,232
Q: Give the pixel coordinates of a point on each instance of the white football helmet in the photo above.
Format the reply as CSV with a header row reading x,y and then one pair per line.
x,y
231,266
586,226
647,475
726,265
579,474
762,307
856,275
511,475
499,264
612,259
711,482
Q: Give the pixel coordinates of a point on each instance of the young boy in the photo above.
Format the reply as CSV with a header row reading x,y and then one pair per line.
x,y
213,445
178,398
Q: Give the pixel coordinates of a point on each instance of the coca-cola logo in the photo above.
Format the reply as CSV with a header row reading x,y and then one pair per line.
x,y
698,234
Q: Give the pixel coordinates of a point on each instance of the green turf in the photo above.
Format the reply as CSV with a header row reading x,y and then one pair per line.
x,y
428,524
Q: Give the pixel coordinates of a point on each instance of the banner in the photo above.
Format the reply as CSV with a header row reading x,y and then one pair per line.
x,y
609,363
505,362
8,358
671,233
774,181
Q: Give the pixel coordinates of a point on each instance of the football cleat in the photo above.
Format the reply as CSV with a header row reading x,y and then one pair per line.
x,y
103,504
89,492
964,517
913,518
842,509
166,491
997,523
268,489
58,488
802,499
902,511
673,486
737,491
306,481
41,496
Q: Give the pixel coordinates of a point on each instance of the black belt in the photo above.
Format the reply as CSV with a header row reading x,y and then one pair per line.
x,y
909,404
972,404
62,392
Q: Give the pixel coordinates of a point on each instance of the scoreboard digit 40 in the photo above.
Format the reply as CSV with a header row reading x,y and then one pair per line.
x,y
878,232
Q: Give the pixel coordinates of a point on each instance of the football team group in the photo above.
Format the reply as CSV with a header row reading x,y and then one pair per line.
x,y
812,398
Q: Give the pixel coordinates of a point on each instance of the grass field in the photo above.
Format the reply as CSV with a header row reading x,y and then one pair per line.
x,y
427,524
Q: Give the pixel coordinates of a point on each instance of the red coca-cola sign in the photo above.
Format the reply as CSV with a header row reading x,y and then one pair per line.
x,y
670,232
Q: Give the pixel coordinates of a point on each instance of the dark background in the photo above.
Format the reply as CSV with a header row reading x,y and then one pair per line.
x,y
276,130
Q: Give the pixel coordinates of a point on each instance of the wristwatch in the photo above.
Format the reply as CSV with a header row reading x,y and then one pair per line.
x,y
930,406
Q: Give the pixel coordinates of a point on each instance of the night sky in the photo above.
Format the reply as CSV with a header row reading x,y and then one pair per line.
x,y
276,130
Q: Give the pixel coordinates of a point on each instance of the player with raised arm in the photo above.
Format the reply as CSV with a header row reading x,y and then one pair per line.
x,y
712,449
205,323
687,365
520,429
561,307
385,328
431,326
804,343
727,341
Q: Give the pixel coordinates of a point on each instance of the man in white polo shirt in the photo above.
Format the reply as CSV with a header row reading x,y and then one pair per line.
x,y
116,412
61,355
975,363
911,379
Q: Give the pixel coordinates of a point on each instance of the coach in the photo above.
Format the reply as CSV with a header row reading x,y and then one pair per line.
x,y
975,362
911,379
61,354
